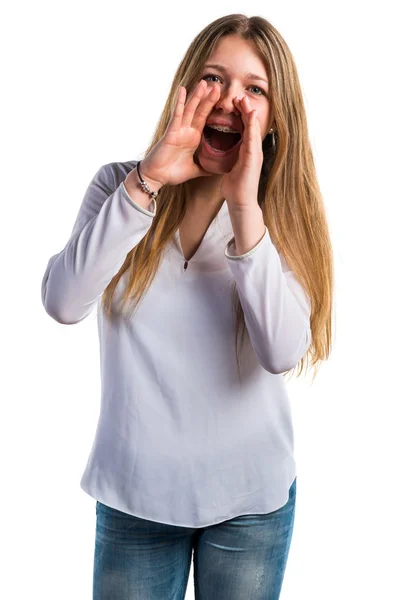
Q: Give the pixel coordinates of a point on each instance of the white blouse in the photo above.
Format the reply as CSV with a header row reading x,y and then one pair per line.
x,y
180,438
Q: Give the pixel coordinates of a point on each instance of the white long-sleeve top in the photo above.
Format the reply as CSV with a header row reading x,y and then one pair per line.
x,y
180,438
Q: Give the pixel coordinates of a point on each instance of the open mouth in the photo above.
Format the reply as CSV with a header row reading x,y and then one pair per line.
x,y
220,142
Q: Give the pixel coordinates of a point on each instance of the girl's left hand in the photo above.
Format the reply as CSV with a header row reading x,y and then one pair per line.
x,y
240,185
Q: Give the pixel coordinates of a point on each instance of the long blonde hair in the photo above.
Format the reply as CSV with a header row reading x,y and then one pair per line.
x,y
289,194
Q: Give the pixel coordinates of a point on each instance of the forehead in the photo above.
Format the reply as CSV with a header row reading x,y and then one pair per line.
x,y
237,55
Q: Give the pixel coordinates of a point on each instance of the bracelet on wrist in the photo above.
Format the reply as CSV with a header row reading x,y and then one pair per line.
x,y
145,186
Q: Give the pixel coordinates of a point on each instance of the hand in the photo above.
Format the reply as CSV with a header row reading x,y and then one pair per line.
x,y
171,160
240,185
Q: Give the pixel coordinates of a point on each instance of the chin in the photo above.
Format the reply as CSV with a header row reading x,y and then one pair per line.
x,y
216,165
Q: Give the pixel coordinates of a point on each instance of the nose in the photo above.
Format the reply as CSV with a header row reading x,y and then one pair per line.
x,y
225,102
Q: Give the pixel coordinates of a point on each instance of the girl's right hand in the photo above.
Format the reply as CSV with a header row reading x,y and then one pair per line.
x,y
171,161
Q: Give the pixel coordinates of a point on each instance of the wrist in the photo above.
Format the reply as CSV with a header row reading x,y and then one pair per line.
x,y
244,207
153,182
133,185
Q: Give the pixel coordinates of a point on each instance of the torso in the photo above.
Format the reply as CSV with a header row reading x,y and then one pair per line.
x,y
190,241
191,233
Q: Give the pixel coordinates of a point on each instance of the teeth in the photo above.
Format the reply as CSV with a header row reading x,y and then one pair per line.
x,y
223,128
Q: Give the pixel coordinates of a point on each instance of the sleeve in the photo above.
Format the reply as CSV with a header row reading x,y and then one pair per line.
x,y
276,307
108,225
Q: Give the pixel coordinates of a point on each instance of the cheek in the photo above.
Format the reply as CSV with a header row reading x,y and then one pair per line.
x,y
264,126
262,117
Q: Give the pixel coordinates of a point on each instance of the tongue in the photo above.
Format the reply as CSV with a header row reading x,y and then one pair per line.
x,y
222,141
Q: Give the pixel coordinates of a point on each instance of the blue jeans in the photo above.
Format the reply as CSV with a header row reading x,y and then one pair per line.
x,y
243,558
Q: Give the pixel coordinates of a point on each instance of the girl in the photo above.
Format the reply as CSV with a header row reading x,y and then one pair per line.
x,y
193,451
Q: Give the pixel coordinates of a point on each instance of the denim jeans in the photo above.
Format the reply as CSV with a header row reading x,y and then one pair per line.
x,y
243,558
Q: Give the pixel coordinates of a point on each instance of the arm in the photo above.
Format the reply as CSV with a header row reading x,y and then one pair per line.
x,y
110,222
276,307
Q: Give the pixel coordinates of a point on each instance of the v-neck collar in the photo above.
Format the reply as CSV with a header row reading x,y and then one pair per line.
x,y
215,239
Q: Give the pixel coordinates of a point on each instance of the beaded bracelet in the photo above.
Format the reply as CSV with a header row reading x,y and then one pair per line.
x,y
144,185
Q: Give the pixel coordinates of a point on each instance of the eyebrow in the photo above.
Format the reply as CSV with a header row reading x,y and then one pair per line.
x,y
224,70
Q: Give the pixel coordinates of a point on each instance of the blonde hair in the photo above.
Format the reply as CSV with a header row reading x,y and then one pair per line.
x,y
289,195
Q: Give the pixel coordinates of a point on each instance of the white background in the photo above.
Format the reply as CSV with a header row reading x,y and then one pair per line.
x,y
83,84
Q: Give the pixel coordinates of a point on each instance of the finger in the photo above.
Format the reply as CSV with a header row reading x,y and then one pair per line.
x,y
244,106
175,122
195,89
248,147
247,111
193,103
256,127
205,107
240,104
251,129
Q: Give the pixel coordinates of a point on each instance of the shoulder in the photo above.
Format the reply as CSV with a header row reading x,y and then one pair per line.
x,y
112,174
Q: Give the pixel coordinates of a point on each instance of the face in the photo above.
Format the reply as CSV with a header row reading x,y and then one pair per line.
x,y
238,70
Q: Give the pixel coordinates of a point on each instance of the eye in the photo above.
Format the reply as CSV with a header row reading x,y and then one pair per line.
x,y
260,91
210,75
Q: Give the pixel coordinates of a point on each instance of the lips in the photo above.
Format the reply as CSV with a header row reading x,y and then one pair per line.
x,y
218,153
210,136
226,123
